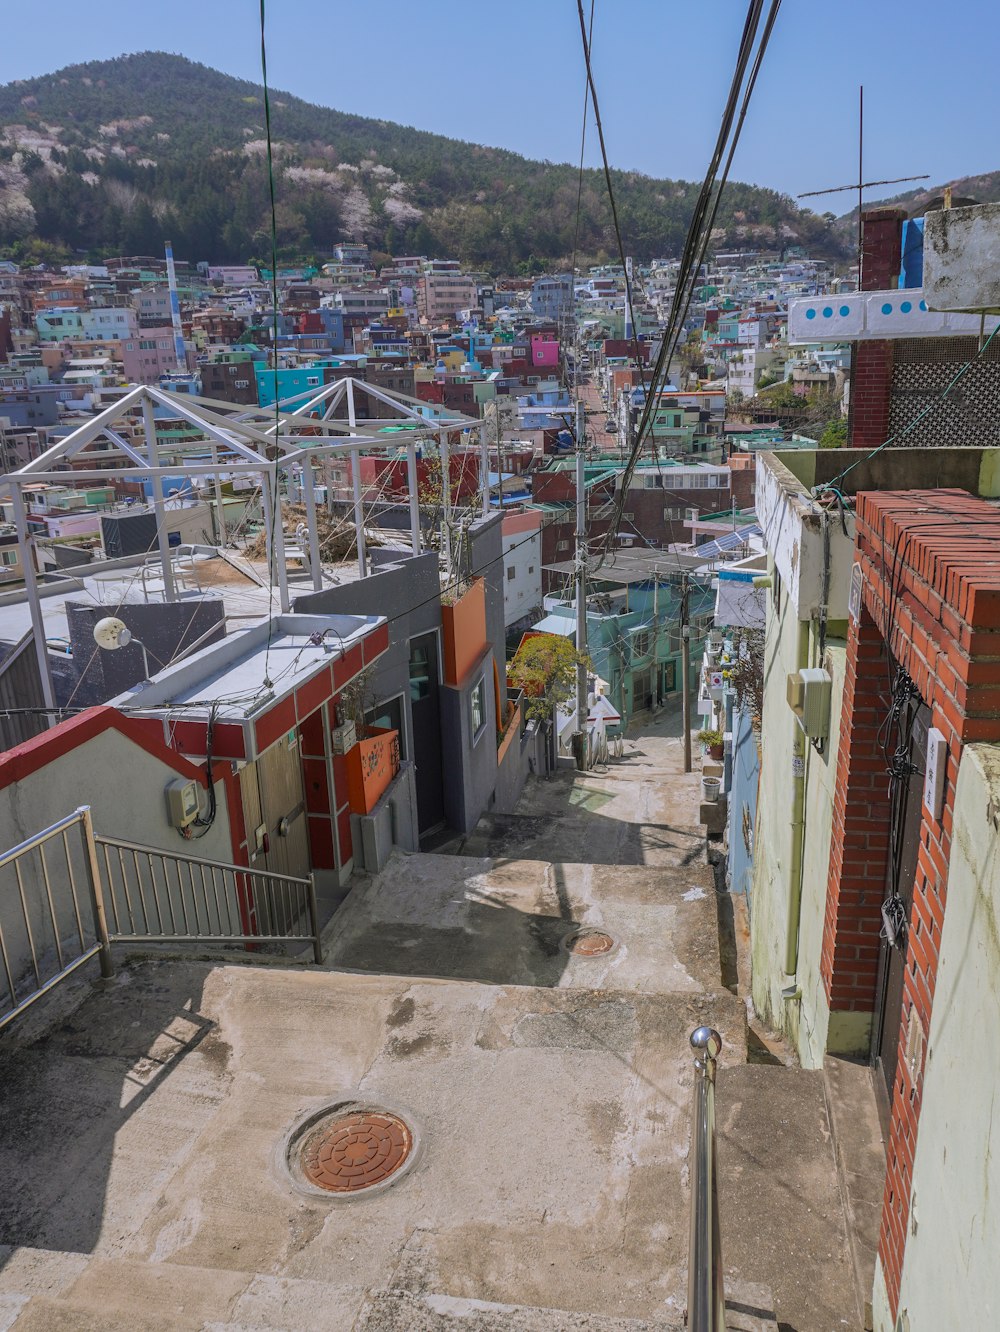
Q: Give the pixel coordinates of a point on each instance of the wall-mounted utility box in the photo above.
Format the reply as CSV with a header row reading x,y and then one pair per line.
x,y
344,738
808,692
182,802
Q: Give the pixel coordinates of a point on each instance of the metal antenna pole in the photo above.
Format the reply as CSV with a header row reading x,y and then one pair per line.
x,y
861,170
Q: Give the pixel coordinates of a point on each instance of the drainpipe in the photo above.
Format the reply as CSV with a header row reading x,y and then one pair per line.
x,y
798,827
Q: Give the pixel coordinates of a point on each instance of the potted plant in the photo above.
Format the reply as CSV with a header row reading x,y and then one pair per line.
x,y
713,742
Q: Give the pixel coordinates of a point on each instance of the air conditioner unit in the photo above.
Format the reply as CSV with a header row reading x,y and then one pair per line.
x,y
808,694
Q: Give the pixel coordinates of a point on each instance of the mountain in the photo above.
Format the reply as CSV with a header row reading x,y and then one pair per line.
x,y
984,188
112,156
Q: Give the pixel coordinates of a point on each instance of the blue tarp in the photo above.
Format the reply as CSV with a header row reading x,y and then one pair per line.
x,y
912,264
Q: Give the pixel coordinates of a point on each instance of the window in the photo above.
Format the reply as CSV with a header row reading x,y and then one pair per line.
x,y
8,556
241,383
423,667
562,545
640,643
312,379
389,716
531,568
478,705
511,574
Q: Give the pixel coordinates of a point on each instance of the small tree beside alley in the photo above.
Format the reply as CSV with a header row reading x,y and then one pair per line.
x,y
544,666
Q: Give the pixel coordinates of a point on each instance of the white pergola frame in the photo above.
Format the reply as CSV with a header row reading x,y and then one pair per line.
x,y
262,442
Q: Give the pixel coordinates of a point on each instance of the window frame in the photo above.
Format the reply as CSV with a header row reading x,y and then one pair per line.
x,y
477,732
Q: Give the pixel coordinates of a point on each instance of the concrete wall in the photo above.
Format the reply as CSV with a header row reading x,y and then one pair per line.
x,y
809,1020
486,555
166,628
742,805
470,772
950,1265
393,822
407,593
125,788
806,1020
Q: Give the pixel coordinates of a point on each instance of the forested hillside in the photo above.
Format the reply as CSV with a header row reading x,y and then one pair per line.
x,y
113,156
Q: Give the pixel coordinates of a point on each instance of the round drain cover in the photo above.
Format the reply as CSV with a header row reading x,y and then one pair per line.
x,y
590,943
348,1151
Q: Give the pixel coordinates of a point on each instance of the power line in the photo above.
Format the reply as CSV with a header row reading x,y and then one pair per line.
x,y
699,231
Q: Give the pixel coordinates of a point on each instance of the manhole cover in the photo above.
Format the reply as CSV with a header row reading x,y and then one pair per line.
x,y
351,1150
590,943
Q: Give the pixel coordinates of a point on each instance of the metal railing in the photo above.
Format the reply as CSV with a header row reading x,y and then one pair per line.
x,y
706,1296
157,896
67,894
46,932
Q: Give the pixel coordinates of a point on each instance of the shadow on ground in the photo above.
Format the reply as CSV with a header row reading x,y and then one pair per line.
x,y
68,1103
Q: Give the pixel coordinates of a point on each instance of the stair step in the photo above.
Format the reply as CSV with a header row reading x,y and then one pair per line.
x,y
402,1311
776,1165
572,835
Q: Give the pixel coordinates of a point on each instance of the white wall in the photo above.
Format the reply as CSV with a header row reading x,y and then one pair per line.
x,y
522,553
125,788
950,1264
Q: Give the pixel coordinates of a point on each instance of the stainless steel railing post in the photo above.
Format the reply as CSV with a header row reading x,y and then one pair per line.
x,y
317,940
96,886
706,1297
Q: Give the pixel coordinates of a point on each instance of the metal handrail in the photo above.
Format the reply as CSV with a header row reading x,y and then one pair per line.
x,y
53,917
160,896
706,1296
45,927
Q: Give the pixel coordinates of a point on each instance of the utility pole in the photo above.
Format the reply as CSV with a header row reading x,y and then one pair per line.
x,y
581,582
686,672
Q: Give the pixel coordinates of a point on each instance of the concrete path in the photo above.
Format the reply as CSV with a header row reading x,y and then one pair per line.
x,y
143,1171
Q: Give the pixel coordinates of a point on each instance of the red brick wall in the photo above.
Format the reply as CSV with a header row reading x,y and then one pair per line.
x,y
944,628
871,393
871,364
881,247
860,840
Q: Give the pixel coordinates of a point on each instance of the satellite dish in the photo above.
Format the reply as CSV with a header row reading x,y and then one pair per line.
x,y
111,633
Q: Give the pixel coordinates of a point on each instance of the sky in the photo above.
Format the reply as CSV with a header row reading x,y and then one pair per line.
x,y
512,75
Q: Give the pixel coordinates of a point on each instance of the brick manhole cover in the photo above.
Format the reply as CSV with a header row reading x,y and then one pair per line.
x,y
350,1150
589,943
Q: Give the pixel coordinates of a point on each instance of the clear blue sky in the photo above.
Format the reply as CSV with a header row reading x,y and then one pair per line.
x,y
511,74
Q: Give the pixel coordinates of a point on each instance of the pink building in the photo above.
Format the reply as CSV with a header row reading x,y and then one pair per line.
x,y
544,350
149,355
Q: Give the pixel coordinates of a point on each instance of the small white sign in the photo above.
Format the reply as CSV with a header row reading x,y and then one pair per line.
x,y
854,598
937,757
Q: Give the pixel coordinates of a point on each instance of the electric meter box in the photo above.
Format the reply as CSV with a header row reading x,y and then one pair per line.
x,y
182,802
808,694
344,738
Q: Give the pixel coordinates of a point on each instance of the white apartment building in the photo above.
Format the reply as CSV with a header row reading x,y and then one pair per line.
x,y
522,565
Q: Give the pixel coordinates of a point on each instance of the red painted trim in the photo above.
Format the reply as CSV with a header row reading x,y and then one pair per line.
x,y
23,761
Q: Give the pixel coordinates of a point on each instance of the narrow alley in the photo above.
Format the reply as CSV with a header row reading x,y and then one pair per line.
x,y
512,1015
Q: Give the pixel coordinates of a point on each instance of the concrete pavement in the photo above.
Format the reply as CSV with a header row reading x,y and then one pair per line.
x,y
548,1091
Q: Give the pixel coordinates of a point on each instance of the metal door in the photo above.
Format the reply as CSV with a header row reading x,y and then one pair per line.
x,y
904,844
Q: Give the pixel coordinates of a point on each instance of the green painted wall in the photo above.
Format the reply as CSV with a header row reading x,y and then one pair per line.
x,y
772,840
950,1264
806,1020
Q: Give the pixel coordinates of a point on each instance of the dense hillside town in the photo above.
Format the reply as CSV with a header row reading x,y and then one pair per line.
x,y
459,714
